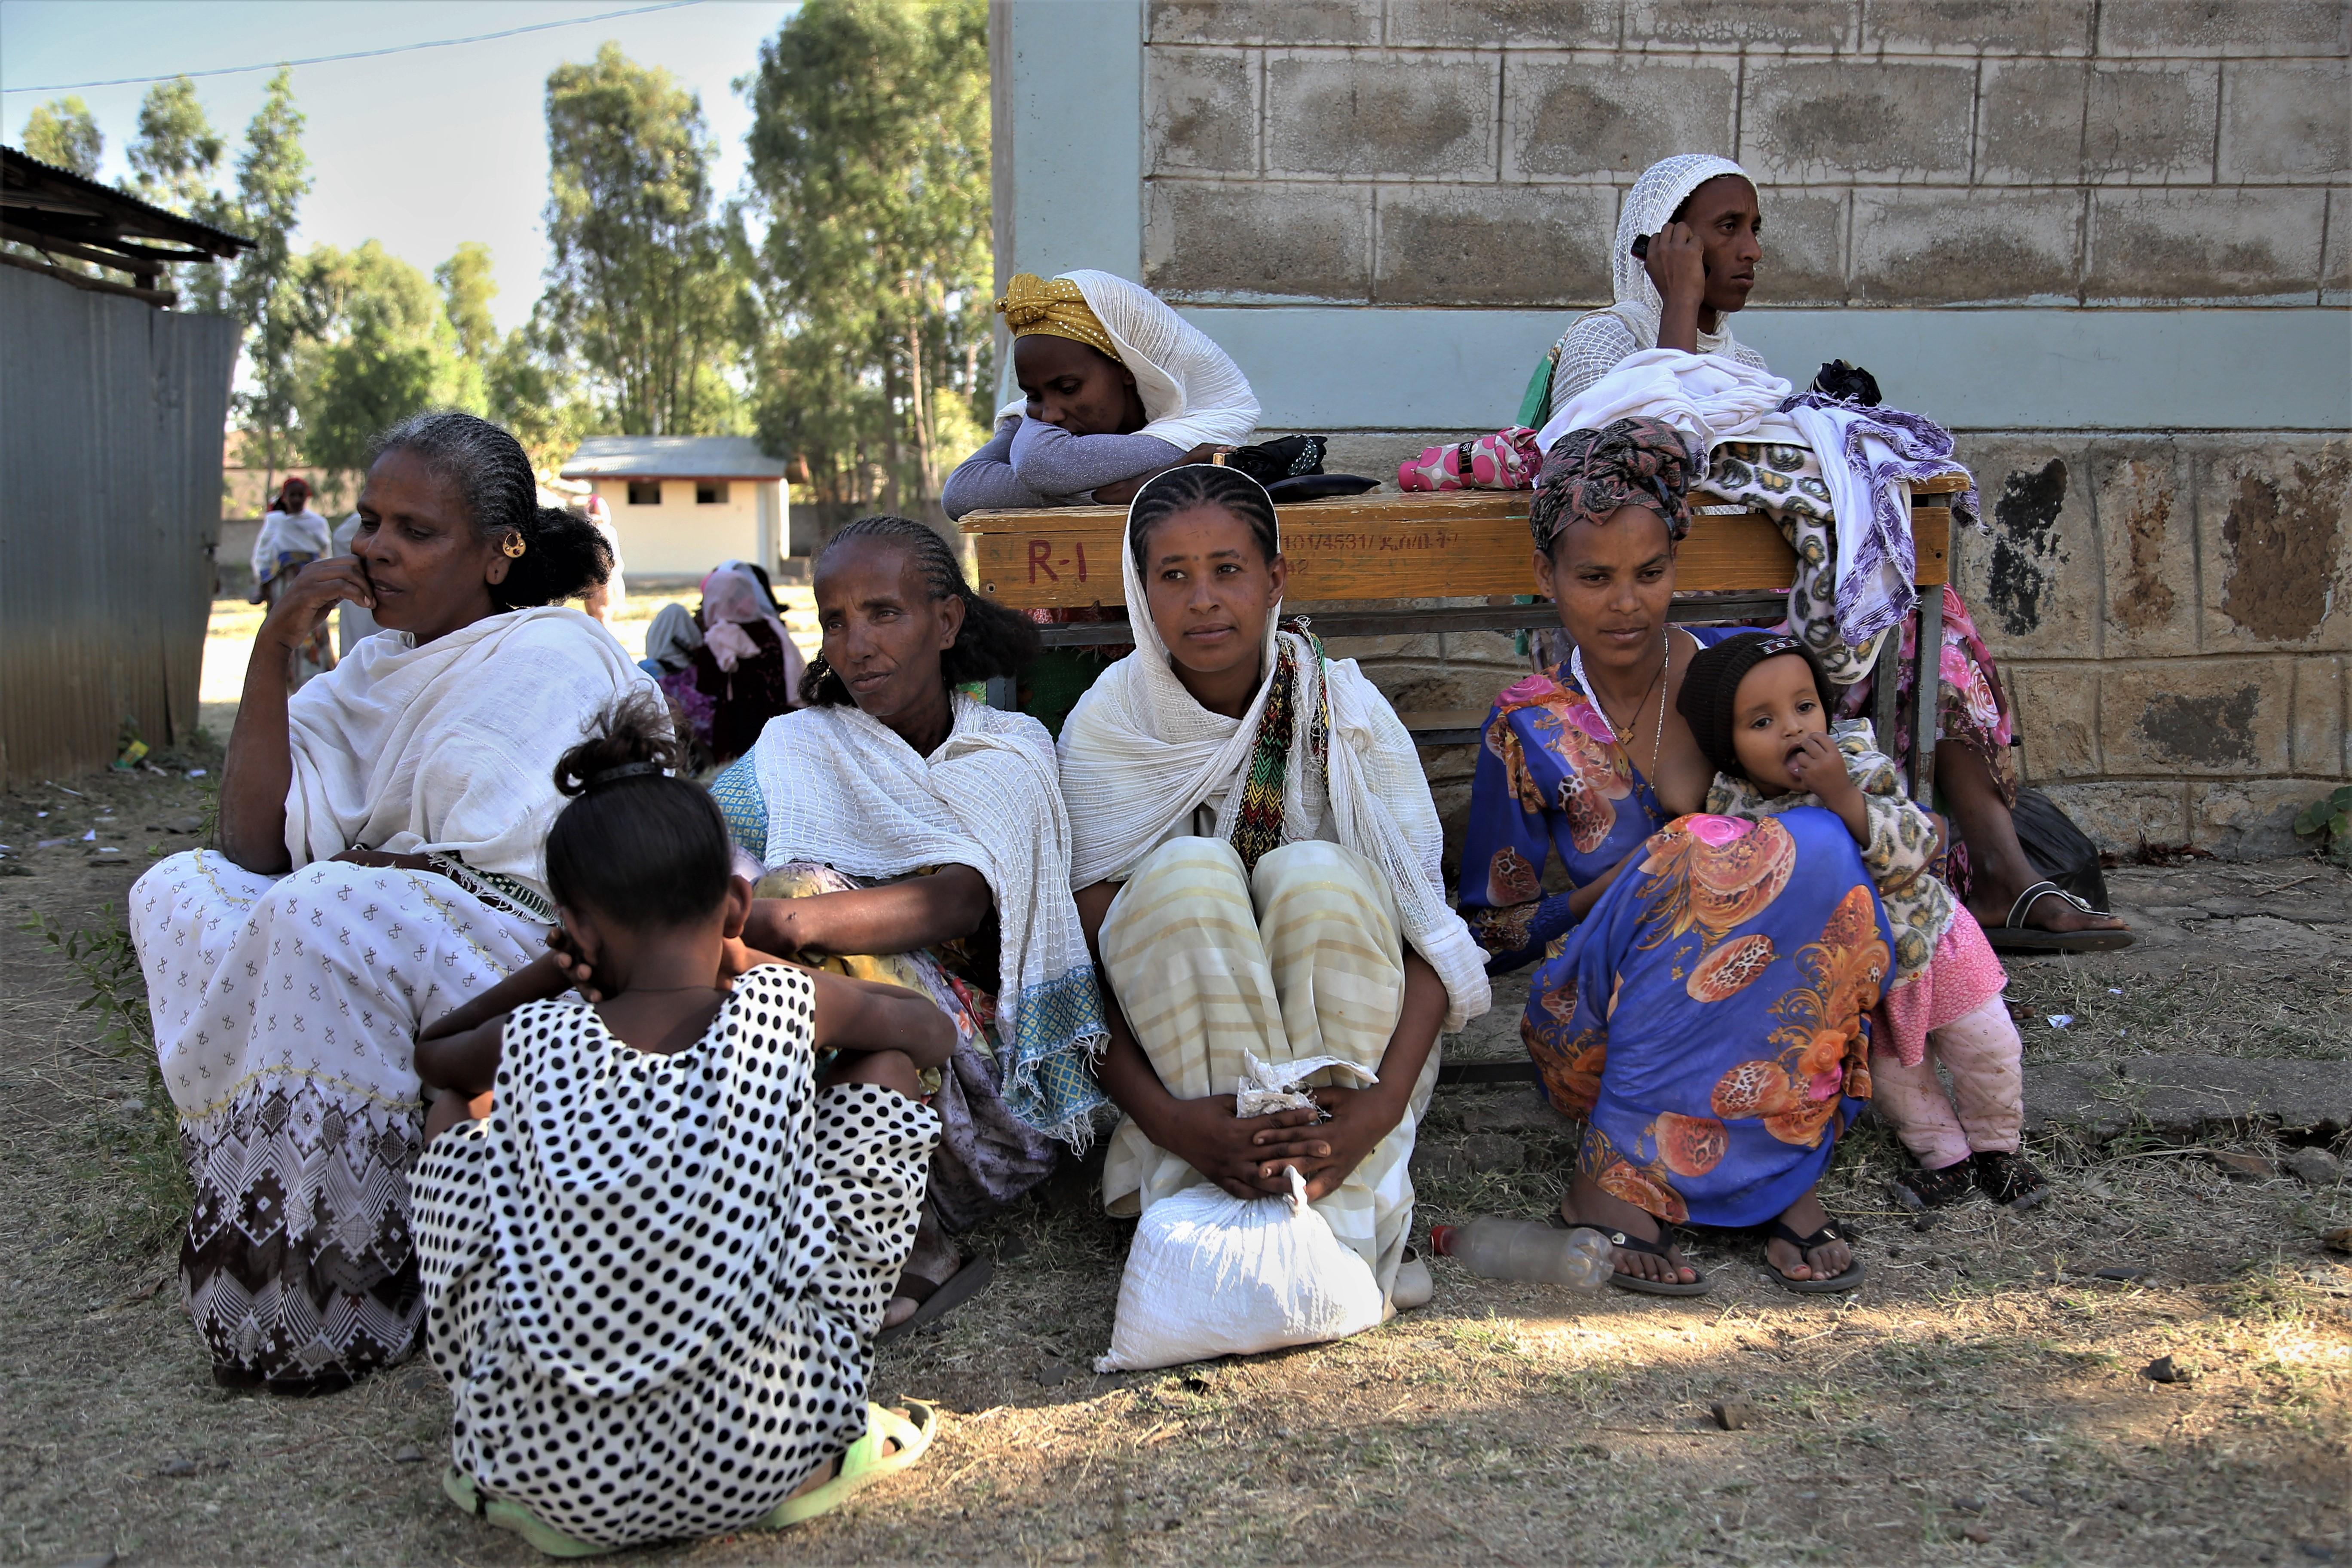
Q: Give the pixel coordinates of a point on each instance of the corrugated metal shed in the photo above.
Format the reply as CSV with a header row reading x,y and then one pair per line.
x,y
672,458
110,420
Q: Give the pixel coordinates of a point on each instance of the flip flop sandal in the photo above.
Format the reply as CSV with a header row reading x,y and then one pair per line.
x,y
935,1301
459,1488
1804,1244
864,1462
2011,937
1631,1243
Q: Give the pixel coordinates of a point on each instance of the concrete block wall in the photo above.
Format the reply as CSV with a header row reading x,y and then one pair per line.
x,y
2168,603
1909,152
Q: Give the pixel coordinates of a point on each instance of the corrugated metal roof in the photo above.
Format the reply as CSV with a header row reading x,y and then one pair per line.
x,y
26,178
672,458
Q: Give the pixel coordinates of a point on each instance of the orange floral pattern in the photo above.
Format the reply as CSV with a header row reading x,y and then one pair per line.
x,y
1823,1045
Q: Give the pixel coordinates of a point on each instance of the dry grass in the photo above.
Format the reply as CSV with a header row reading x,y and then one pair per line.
x,y
1984,1384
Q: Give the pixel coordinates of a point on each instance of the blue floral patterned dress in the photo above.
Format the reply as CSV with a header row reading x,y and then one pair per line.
x,y
1706,1018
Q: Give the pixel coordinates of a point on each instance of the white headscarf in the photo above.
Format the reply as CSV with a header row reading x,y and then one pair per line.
x,y
1139,754
1192,392
1649,207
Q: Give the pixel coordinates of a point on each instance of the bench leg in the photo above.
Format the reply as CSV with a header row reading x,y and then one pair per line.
x,y
1927,697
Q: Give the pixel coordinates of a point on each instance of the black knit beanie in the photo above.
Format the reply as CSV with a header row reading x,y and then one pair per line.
x,y
1711,684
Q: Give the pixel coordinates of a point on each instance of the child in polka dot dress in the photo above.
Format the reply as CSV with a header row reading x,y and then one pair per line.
x,y
657,1235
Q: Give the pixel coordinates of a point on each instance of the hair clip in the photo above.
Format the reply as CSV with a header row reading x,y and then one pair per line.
x,y
625,771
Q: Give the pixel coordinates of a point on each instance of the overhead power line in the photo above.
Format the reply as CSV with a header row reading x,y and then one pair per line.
x,y
357,54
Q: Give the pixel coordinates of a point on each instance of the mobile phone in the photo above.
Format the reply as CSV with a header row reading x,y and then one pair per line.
x,y
1640,247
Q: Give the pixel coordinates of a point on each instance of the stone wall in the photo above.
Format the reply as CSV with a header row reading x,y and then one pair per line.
x,y
2169,606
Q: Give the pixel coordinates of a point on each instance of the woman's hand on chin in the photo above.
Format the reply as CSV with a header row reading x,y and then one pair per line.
x,y
305,603
1206,1135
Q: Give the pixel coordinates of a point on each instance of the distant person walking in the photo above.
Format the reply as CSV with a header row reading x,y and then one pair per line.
x,y
291,537
610,602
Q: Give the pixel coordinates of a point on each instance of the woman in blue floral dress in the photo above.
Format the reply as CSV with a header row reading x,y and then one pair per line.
x,y
1702,982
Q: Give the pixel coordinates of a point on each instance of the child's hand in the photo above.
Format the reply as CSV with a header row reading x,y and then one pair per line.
x,y
1820,766
576,970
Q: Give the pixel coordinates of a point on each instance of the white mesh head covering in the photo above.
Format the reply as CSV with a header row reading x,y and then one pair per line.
x,y
1192,390
1649,207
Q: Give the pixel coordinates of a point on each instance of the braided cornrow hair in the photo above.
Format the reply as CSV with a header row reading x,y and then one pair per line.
x,y
563,555
994,641
1201,484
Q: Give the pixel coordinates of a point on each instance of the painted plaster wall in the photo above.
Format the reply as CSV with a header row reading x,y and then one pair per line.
x,y
2109,242
682,537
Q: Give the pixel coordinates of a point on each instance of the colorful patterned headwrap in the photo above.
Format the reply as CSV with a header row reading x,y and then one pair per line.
x,y
1588,474
1055,307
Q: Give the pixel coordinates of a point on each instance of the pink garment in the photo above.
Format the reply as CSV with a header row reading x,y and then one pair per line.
x,y
732,598
1986,1109
1961,976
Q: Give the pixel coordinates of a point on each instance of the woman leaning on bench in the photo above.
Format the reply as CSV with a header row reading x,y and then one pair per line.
x,y
1257,857
1704,228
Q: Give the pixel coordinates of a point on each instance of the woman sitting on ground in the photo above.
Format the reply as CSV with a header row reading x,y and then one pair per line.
x,y
1704,228
1256,856
914,835
379,863
1702,983
708,1365
1116,387
740,667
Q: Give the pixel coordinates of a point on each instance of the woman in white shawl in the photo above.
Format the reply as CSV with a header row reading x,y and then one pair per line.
x,y
291,537
911,834
1257,857
379,862
1703,225
1116,387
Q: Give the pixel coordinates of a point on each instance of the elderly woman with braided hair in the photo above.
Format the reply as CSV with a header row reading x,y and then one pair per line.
x,y
1701,984
911,834
379,864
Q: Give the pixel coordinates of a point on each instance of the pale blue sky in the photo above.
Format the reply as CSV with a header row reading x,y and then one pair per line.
x,y
420,151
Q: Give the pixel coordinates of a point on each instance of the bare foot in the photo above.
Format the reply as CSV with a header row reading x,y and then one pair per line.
x,y
1587,1204
934,1259
1826,1261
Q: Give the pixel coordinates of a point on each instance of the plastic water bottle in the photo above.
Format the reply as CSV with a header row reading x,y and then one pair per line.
x,y
1500,1249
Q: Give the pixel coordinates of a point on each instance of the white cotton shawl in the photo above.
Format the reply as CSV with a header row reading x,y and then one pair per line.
x,y
450,747
1192,392
843,790
303,532
1139,754
1708,398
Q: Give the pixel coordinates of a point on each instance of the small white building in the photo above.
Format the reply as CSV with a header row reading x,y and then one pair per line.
x,y
685,503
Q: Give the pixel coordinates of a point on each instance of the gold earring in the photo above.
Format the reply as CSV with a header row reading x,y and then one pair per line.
x,y
513,546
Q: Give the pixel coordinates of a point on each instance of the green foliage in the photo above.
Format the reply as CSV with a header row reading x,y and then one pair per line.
x,y
377,347
272,177
63,132
159,1194
640,285
466,290
536,394
2327,822
870,161
176,164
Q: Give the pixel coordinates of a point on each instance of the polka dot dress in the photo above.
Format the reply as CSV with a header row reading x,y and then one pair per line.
x,y
653,1282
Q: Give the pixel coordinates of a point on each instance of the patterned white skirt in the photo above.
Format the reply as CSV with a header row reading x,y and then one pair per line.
x,y
286,1015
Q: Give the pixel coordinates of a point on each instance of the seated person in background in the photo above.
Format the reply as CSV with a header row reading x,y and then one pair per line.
x,y
1758,705
1117,387
1257,857
702,1369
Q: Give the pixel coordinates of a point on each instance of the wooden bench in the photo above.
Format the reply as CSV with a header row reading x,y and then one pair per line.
x,y
1373,565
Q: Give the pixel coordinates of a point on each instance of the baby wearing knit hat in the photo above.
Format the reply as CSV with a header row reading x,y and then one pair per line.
x,y
1758,705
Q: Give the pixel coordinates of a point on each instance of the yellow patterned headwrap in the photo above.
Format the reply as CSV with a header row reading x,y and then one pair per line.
x,y
1057,308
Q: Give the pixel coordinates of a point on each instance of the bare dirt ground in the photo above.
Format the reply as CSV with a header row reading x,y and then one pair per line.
x,y
1982,1400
